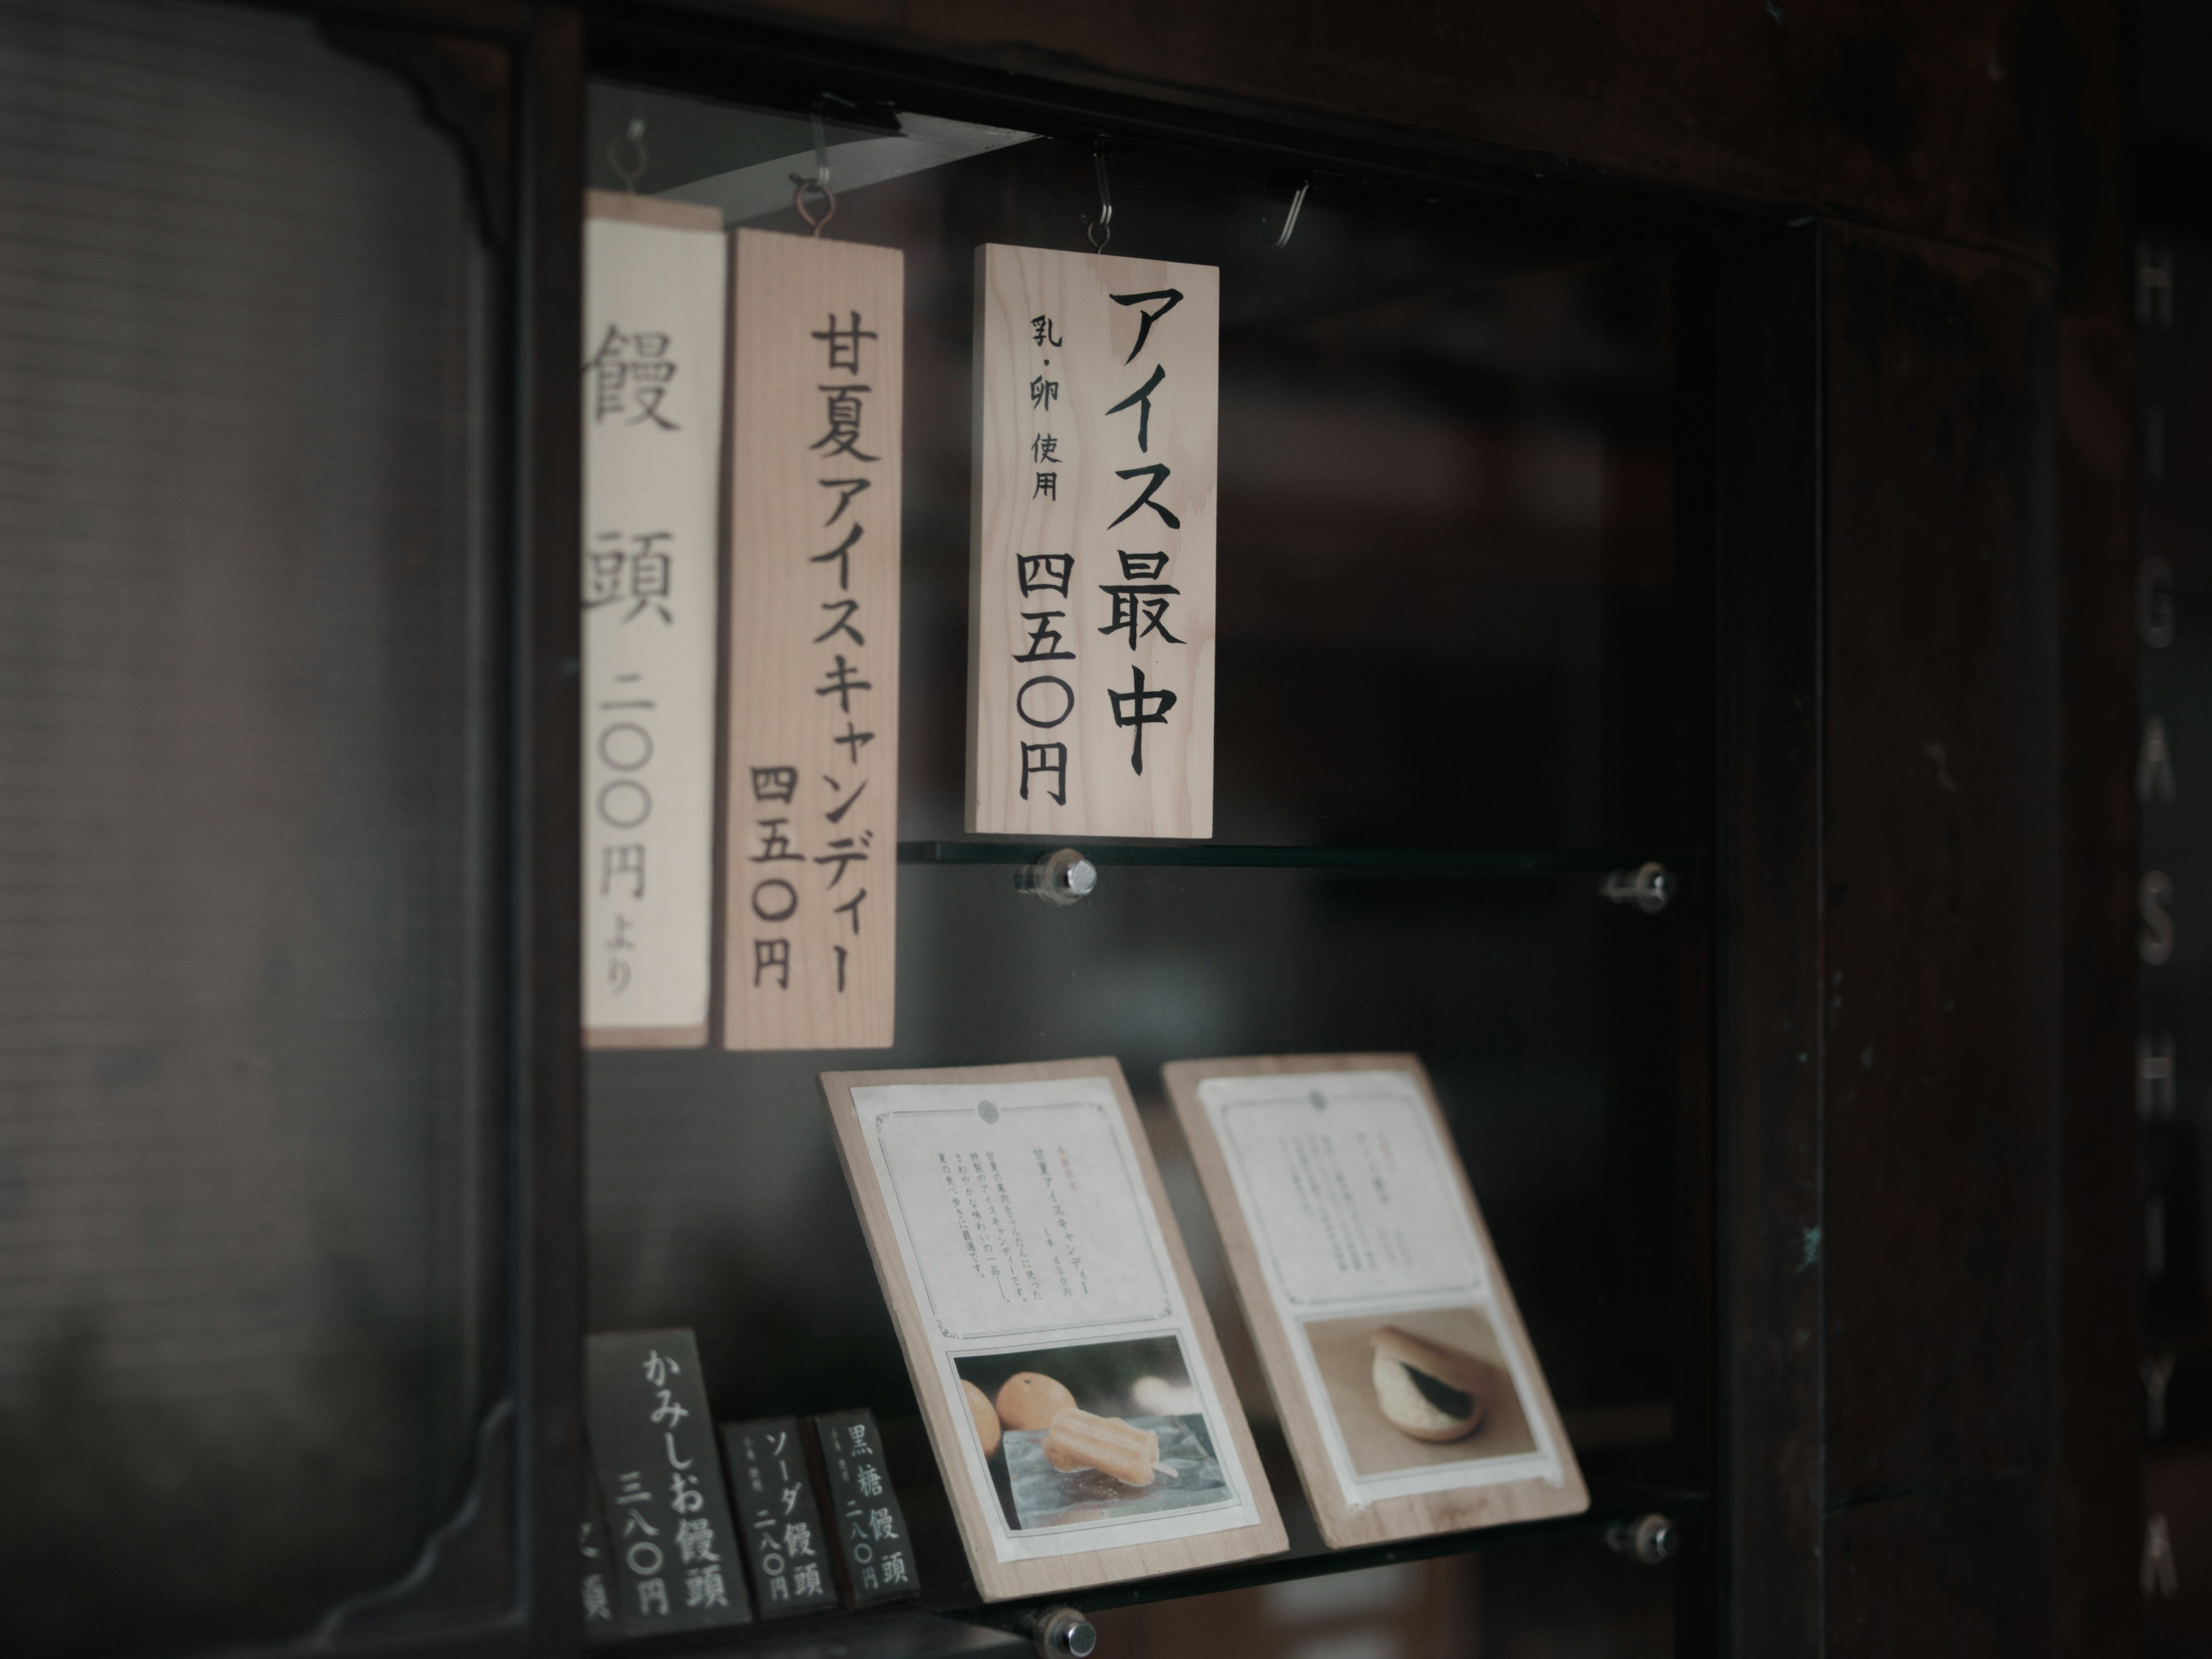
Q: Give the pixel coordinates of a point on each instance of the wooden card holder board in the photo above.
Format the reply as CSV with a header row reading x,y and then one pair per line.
x,y
1050,1315
1360,1254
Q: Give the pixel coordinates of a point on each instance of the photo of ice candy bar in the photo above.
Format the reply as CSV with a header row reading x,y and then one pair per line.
x,y
1078,1440
1093,1434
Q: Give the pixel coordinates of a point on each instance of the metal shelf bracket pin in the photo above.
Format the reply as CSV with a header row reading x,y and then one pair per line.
x,y
1649,887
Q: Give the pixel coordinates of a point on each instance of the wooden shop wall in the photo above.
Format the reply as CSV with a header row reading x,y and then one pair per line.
x,y
1931,1437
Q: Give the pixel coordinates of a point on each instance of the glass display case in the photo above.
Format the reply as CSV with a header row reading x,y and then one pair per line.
x,y
1463,694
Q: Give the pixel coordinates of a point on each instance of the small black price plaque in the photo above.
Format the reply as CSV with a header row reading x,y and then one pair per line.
x,y
779,1516
595,1568
872,1536
660,1480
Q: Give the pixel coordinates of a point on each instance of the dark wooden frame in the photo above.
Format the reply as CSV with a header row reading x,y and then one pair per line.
x,y
550,1137
1768,1321
504,80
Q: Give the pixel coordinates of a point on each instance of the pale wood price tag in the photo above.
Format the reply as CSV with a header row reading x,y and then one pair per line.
x,y
1091,592
810,849
655,282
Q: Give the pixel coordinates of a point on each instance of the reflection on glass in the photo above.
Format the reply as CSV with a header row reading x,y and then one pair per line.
x,y
249,1320
1453,621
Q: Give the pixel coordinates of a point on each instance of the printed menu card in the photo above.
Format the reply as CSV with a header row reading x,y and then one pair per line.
x,y
1072,1384
1409,1393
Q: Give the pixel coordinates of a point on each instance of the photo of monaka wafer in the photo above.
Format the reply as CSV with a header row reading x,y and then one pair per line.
x,y
1416,1390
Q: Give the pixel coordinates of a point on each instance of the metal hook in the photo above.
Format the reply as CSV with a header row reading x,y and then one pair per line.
x,y
1290,219
820,183
635,138
821,146
1101,229
828,204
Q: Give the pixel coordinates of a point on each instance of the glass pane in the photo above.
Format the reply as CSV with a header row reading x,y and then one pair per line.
x,y
250,1314
1545,1015
1448,609
1457,662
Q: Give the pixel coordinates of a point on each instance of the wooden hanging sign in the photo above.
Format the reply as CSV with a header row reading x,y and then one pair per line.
x,y
1075,1395
1091,590
1409,1391
655,279
810,861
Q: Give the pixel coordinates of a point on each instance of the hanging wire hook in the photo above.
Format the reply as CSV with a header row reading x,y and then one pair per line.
x,y
635,138
820,182
1290,219
1101,229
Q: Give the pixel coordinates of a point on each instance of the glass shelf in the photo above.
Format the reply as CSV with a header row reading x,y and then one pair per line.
x,y
1382,860
1610,1501
903,1633
946,1628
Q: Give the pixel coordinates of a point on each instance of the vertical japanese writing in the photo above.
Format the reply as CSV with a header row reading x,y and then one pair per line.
x,y
871,1526
630,576
784,1533
1045,699
630,376
1061,1243
678,1553
1092,656
651,382
824,841
814,642
673,1548
779,1516
599,1601
1140,597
